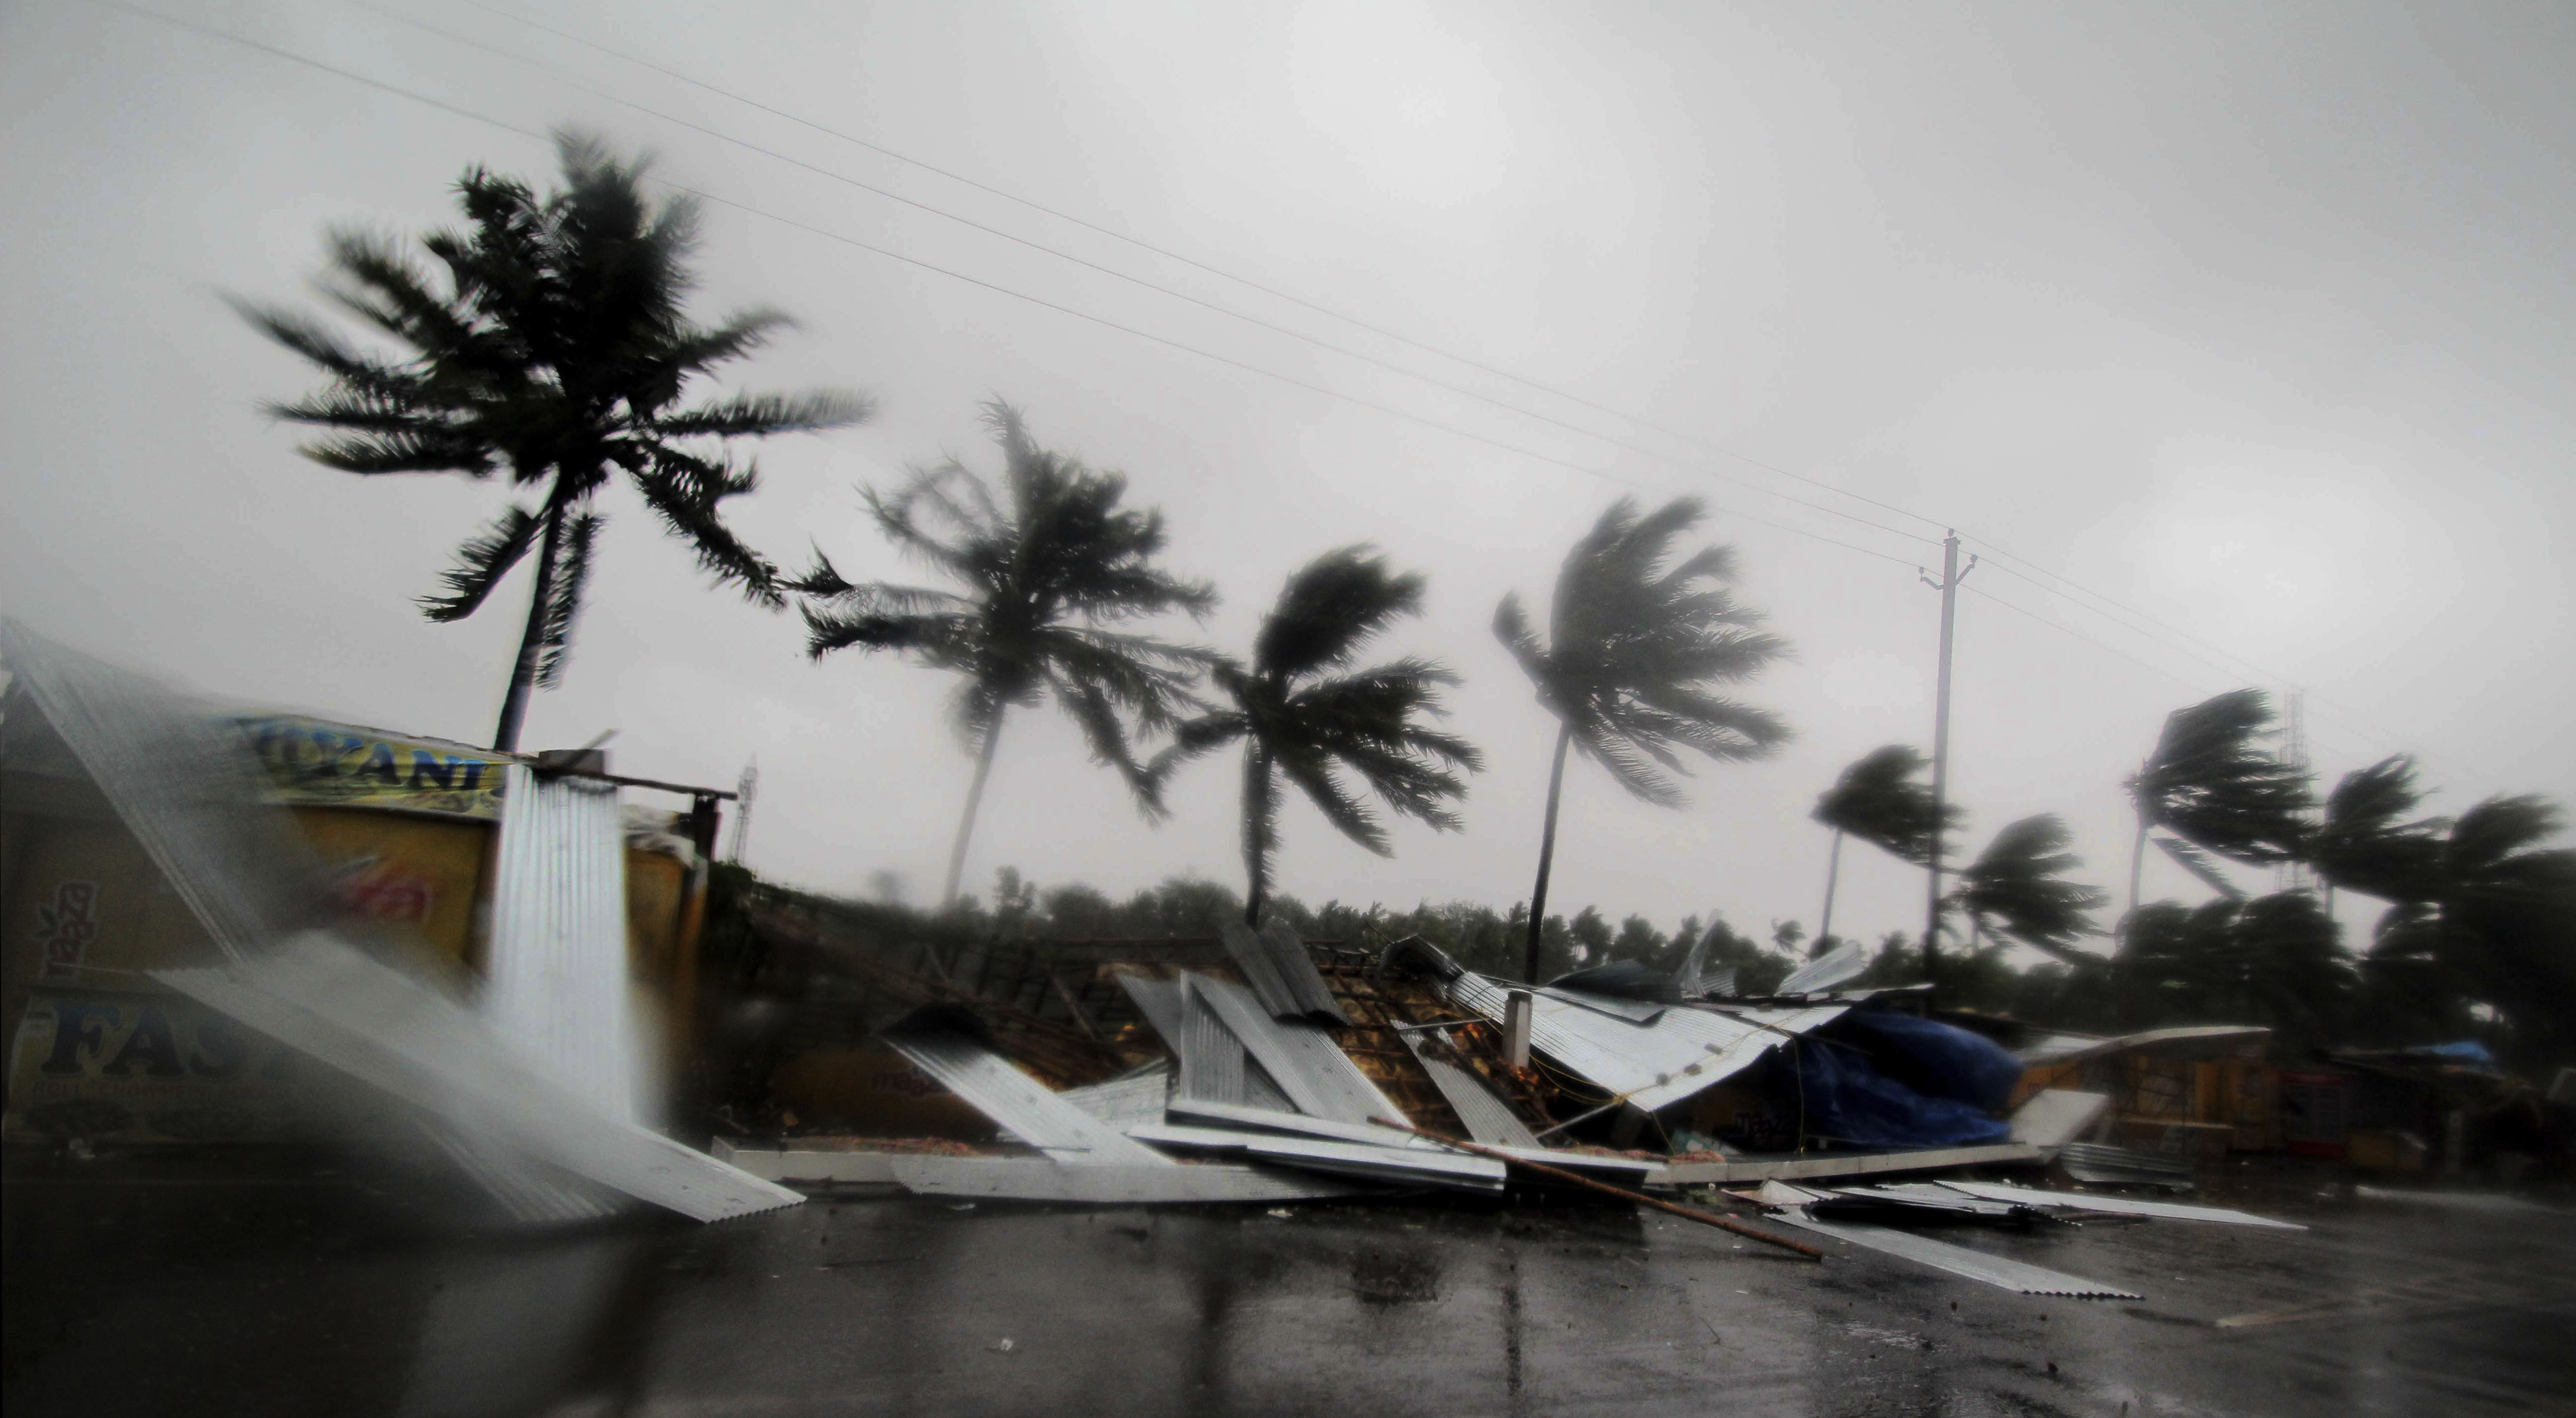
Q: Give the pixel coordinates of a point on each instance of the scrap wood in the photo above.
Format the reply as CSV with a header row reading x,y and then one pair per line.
x,y
1705,1218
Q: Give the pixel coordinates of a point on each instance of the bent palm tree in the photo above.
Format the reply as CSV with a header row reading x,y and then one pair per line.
x,y
2211,784
1879,800
2500,926
2016,887
1047,567
554,347
1634,648
1302,712
2370,840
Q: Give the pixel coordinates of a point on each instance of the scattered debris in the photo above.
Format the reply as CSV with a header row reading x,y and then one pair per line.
x,y
2105,1165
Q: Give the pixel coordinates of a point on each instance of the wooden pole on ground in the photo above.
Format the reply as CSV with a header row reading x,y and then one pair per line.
x,y
1687,1213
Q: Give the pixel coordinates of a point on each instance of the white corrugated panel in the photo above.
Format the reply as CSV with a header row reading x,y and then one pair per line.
x,y
321,996
1682,1051
1000,1091
1299,1056
557,987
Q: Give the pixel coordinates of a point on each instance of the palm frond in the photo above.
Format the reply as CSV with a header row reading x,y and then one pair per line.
x,y
2192,859
2211,782
564,595
481,563
1330,608
764,415
2017,887
686,492
1349,815
1637,640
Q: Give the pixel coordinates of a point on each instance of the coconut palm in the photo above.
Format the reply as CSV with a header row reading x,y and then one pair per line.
x,y
1302,712
2212,785
551,345
2500,926
2371,841
1047,566
1881,800
1636,645
2017,888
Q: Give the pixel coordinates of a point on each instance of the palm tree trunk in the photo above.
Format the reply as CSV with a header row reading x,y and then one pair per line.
x,y
1833,872
1256,830
532,641
1547,849
2137,863
974,799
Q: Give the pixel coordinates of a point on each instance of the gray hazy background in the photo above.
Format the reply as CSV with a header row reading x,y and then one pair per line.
x,y
2256,318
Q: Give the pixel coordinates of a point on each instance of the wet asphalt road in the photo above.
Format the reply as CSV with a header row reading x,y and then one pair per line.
x,y
270,1295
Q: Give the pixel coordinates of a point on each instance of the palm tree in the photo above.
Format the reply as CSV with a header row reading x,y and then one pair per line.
x,y
1047,566
2213,786
1634,649
2016,887
2500,925
1303,712
552,346
1879,800
2370,840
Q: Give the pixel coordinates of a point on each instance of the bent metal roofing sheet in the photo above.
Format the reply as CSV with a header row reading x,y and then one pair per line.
x,y
1678,1053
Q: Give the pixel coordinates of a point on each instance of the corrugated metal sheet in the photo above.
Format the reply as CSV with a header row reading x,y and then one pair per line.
x,y
380,1026
1158,1000
1212,1058
1844,962
1959,1260
2124,1166
1136,1098
1635,1011
1402,1166
998,1089
1271,1120
1683,1051
528,1189
1029,1179
189,791
1212,1061
1488,1118
1314,1073
1847,1164
2118,1205
1281,972
1398,1166
556,985
2053,1117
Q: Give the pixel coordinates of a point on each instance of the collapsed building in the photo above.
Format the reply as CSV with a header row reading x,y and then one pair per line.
x,y
236,928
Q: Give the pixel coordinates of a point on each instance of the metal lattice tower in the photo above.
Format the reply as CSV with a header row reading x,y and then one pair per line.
x,y
749,787
2294,875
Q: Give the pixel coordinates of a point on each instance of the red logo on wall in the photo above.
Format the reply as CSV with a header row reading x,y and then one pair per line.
x,y
378,890
65,928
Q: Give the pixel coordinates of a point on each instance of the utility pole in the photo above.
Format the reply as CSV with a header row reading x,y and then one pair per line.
x,y
748,785
1952,573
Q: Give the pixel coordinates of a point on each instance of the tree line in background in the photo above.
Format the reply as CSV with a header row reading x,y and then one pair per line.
x,y
549,343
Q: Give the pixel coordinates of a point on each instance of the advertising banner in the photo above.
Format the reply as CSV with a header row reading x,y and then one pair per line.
x,y
335,765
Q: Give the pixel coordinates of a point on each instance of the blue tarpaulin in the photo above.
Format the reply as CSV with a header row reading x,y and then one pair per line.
x,y
1949,1075
1935,1059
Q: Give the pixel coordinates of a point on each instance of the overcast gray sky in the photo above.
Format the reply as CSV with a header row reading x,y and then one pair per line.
x,y
2255,319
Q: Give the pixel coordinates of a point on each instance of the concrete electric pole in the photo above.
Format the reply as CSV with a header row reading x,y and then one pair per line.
x,y
1952,573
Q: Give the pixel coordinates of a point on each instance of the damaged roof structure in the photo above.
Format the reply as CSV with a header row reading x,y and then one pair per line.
x,y
1246,1067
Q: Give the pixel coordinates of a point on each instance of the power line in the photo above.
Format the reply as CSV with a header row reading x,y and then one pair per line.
x,y
2107,604
1191,261
892,254
569,81
1388,409
2110,603
2064,629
